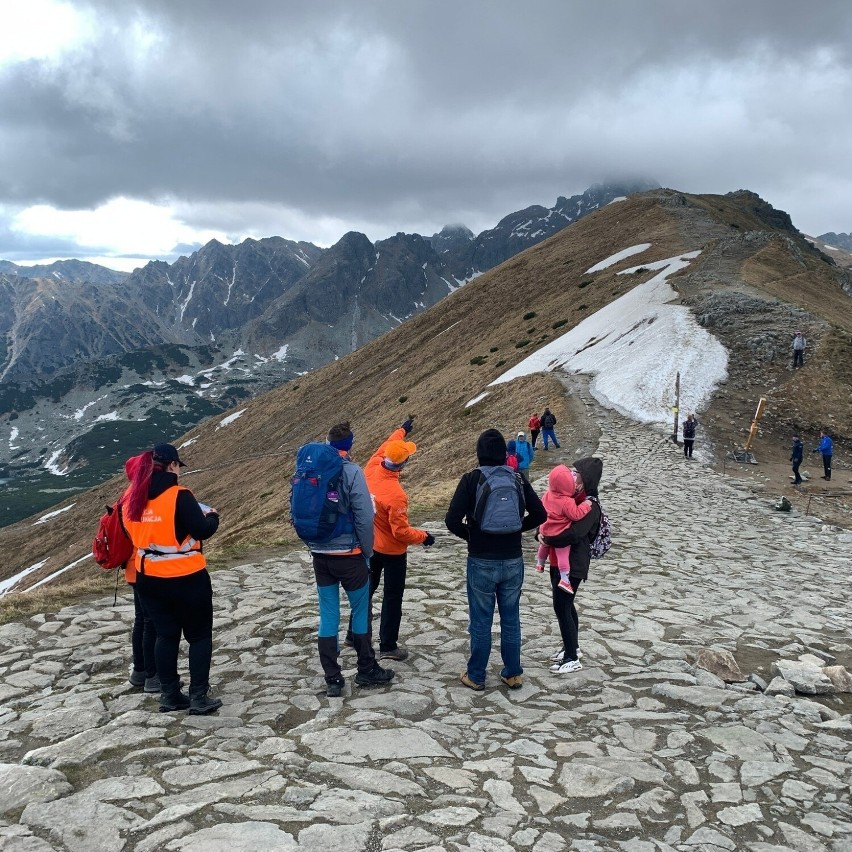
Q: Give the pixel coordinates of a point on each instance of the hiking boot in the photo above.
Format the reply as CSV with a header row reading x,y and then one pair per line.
x,y
377,675
200,703
566,668
172,699
399,654
152,684
514,682
471,684
137,678
334,688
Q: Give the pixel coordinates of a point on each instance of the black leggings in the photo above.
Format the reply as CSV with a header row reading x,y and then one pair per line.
x,y
566,613
143,638
180,605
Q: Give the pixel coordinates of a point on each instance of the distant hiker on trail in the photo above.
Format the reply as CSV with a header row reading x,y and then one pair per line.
x,y
511,455
578,537
343,560
798,347
563,509
548,421
535,427
144,635
796,458
167,525
393,535
525,453
689,435
490,509
826,447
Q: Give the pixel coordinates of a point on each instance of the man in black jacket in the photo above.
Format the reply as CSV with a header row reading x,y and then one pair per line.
x,y
495,568
796,458
579,537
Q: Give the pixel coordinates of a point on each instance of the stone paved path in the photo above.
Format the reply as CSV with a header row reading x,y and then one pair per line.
x,y
641,750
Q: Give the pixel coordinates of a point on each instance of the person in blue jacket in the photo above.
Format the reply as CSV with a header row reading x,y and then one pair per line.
x,y
796,458
826,447
525,452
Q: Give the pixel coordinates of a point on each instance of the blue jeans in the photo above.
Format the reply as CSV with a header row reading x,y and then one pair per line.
x,y
551,435
490,581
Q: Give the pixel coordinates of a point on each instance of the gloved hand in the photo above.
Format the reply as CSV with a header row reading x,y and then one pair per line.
x,y
408,425
429,540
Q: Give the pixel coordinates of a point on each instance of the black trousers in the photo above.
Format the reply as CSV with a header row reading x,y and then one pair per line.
x,y
566,613
798,358
143,638
687,447
394,568
534,436
826,465
180,605
796,465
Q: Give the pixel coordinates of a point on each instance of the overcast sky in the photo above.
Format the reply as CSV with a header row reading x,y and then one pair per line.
x,y
142,128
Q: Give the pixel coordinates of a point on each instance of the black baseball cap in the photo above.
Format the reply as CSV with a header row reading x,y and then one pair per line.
x,y
167,453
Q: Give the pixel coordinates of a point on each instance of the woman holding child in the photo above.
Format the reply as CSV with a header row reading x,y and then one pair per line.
x,y
578,537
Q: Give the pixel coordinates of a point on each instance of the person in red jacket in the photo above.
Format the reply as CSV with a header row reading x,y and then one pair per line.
x,y
535,428
393,534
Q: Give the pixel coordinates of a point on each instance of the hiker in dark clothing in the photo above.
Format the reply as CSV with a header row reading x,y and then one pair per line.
x,y
167,525
796,458
495,568
548,421
579,537
689,435
798,347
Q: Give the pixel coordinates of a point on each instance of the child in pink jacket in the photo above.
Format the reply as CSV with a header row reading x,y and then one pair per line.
x,y
562,511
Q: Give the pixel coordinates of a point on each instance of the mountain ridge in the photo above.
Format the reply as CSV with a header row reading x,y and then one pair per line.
x,y
215,327
751,281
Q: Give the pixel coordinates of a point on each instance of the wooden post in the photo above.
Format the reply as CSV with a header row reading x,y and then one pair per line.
x,y
752,434
676,408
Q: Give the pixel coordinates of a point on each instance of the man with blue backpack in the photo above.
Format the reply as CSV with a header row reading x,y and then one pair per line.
x,y
491,507
331,509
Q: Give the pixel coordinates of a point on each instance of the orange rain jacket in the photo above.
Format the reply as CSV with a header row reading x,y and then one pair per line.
x,y
158,552
393,533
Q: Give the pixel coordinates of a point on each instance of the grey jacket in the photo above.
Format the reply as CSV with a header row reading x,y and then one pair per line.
x,y
355,496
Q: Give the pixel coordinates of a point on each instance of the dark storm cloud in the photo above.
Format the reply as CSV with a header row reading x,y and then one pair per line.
x,y
390,115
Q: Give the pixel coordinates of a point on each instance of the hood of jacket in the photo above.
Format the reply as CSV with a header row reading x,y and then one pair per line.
x,y
562,482
591,470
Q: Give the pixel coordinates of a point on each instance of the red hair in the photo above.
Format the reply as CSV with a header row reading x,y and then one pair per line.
x,y
138,496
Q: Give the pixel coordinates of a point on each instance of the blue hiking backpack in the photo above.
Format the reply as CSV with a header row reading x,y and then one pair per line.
x,y
499,505
317,508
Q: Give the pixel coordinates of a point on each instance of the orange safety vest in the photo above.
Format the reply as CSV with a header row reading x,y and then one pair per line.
x,y
158,552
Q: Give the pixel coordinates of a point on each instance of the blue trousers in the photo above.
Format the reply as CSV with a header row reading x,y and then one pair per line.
x,y
490,582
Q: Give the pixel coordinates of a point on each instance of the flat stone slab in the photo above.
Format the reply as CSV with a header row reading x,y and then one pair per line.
x,y
236,837
385,744
20,785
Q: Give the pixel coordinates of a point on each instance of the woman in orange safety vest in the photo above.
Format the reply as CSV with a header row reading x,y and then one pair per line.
x,y
167,525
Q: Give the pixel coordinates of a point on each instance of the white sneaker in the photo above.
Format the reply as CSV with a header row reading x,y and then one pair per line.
x,y
567,667
558,656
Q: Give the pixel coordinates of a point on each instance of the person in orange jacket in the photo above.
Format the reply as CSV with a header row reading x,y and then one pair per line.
x,y
393,534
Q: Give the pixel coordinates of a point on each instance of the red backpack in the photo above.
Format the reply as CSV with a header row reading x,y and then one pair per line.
x,y
112,547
